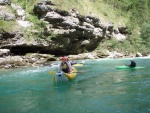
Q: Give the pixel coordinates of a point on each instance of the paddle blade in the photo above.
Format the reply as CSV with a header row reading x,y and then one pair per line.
x,y
52,72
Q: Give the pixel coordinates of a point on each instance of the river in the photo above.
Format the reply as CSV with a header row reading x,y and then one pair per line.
x,y
98,88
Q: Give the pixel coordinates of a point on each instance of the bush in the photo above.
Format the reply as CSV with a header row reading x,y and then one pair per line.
x,y
145,34
5,26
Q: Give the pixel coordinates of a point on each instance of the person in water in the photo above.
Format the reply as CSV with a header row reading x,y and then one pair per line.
x,y
65,66
133,64
72,62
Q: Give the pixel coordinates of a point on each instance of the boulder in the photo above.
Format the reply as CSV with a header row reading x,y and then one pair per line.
x,y
4,52
138,54
5,2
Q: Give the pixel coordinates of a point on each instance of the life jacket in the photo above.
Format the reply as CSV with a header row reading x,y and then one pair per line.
x,y
65,67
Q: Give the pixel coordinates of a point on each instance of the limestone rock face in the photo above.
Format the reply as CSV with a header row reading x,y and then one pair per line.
x,y
68,32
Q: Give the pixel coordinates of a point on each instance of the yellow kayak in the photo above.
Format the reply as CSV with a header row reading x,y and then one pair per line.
x,y
71,75
65,77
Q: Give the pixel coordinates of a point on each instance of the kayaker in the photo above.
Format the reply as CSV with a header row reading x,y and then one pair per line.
x,y
72,62
133,64
65,66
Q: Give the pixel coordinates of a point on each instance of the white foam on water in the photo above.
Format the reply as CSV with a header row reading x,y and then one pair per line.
x,y
25,71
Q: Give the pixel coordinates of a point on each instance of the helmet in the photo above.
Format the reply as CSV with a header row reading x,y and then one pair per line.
x,y
64,58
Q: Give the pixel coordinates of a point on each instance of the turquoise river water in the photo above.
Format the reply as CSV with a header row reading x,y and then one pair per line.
x,y
98,88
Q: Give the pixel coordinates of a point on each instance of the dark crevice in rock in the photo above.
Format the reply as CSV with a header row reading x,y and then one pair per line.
x,y
23,50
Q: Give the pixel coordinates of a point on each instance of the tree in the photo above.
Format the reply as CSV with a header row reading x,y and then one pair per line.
x,y
145,33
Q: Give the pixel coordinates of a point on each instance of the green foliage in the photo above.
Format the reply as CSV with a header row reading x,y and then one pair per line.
x,y
139,11
145,34
53,35
26,4
38,24
8,26
29,35
124,5
132,45
123,11
145,31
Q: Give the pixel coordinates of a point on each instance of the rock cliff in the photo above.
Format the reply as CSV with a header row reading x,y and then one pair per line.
x,y
70,32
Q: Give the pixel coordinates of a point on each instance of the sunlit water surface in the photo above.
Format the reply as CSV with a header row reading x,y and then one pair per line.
x,y
98,88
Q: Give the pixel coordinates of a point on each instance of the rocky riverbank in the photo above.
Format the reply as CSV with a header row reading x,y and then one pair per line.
x,y
30,60
36,59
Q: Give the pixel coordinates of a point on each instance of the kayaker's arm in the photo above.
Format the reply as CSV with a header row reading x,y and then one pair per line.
x,y
133,64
